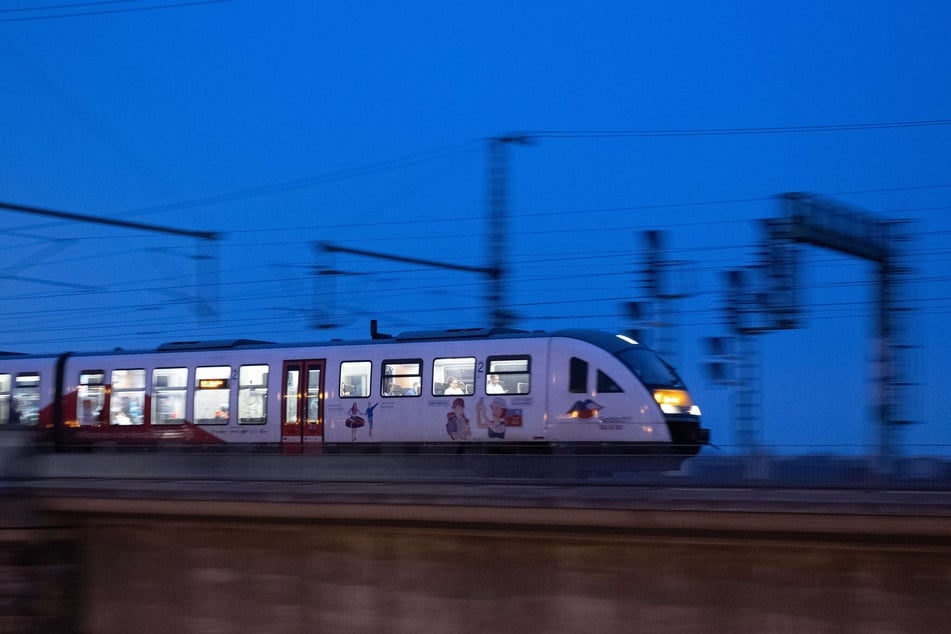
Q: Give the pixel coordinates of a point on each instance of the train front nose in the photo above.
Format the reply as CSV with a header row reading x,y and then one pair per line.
x,y
683,420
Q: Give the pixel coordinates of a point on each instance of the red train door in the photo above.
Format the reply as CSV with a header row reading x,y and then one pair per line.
x,y
302,417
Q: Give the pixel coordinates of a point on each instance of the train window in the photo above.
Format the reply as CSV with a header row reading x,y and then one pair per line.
x,y
650,368
508,375
291,393
91,396
26,397
128,397
213,395
252,394
169,387
577,376
5,399
402,377
606,384
355,379
453,376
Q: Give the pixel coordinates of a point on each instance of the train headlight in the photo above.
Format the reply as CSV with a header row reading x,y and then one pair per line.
x,y
679,398
675,402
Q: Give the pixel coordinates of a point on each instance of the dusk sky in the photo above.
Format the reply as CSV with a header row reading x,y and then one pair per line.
x,y
279,124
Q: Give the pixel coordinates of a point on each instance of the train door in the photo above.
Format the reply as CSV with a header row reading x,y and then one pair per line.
x,y
302,417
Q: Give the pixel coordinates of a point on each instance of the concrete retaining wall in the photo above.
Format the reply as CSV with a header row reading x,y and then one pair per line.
x,y
162,574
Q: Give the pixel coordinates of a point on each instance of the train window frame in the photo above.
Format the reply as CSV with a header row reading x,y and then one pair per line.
x,y
509,377
252,396
397,372
212,384
363,370
91,388
462,369
127,389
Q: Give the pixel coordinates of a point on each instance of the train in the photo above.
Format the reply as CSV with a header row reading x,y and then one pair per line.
x,y
454,390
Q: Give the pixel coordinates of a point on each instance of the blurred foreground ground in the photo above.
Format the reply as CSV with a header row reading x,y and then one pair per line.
x,y
192,543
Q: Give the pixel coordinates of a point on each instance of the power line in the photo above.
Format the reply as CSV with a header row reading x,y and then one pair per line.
x,y
534,260
595,210
72,5
249,292
847,127
76,14
271,296
379,167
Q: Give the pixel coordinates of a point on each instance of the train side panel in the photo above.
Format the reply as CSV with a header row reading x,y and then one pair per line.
x,y
435,412
195,397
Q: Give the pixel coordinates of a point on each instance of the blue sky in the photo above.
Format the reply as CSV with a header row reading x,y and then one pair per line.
x,y
280,124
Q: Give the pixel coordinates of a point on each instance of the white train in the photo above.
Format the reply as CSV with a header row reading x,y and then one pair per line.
x,y
570,390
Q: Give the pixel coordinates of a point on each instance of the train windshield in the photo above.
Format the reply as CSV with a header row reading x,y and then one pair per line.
x,y
650,368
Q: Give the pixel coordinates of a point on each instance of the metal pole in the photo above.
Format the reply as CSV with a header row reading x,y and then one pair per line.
x,y
498,226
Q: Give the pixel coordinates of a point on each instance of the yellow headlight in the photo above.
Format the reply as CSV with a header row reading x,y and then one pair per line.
x,y
677,398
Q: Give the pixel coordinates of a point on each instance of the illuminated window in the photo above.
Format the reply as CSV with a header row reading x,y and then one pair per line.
x,y
402,377
252,394
355,379
128,397
213,395
513,373
5,396
453,376
169,386
26,397
291,392
90,397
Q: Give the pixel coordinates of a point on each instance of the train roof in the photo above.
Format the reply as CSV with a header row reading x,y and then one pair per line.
x,y
612,342
608,341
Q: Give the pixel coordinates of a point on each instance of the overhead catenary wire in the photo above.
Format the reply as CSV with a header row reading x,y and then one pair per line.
x,y
68,5
83,9
529,265
845,127
534,260
269,296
